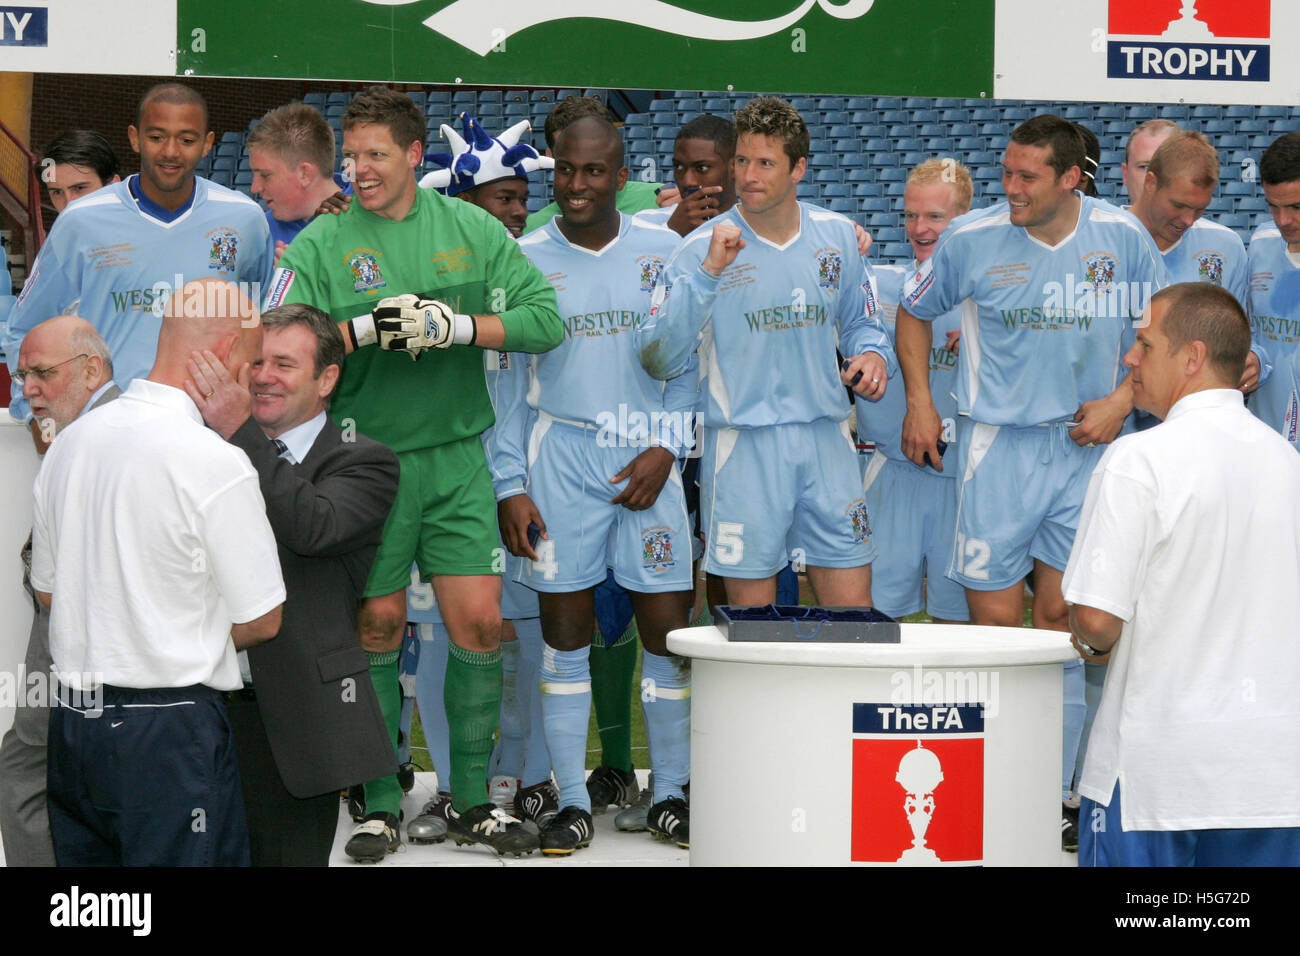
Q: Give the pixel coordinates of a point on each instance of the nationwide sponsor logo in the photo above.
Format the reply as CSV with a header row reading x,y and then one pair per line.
x,y
1197,40
364,265
280,285
483,25
660,296
918,283
24,26
657,549
1292,424
828,268
224,249
918,784
650,267
857,514
1209,266
869,292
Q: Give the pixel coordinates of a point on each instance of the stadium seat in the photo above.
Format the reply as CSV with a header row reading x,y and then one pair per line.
x,y
865,188
1207,112
1108,111
315,100
908,160
939,144
1239,111
1174,111
829,176
565,94
805,190
1261,141
894,116
1238,188
1273,112
835,117
860,103
828,103
891,174
541,96
886,160
1016,114
1138,112
862,176
719,107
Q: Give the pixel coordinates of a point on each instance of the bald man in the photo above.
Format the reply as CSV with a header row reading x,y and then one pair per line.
x,y
151,547
64,370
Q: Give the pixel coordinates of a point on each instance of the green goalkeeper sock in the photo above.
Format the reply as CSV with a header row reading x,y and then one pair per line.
x,y
612,670
472,696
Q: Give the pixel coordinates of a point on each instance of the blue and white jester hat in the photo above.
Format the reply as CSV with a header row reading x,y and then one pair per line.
x,y
478,159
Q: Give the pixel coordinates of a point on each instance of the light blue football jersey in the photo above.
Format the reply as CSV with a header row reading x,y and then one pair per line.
x,y
882,422
1210,252
114,264
1044,328
594,376
1274,310
766,330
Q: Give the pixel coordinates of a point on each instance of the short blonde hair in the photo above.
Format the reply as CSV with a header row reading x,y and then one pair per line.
x,y
945,169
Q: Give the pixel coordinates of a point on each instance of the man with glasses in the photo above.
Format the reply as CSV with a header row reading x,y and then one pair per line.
x,y
59,389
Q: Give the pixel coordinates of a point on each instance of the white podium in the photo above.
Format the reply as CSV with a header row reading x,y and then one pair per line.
x,y
944,749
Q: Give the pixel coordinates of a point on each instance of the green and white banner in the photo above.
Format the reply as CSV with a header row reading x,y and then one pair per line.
x,y
941,47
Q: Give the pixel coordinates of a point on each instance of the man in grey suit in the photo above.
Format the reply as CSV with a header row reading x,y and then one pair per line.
x,y
65,369
307,723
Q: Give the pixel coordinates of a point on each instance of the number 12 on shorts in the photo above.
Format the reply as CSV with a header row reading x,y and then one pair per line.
x,y
973,557
729,548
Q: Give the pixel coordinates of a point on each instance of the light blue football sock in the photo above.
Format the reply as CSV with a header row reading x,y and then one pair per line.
x,y
508,754
430,678
566,711
537,759
666,703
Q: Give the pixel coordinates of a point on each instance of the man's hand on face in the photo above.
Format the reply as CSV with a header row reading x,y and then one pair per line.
x,y
224,402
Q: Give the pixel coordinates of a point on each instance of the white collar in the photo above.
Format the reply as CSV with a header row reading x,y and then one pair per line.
x,y
299,439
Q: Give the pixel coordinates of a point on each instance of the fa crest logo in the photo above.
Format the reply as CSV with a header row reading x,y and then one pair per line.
x,y
828,268
1210,267
225,247
857,513
1099,269
365,272
651,266
657,549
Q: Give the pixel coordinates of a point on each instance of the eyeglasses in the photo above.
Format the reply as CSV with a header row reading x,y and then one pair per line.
x,y
43,374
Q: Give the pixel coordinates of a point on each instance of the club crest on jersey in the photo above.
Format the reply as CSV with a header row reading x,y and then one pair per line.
x,y
828,268
650,267
857,513
365,272
224,250
1099,269
657,548
1209,266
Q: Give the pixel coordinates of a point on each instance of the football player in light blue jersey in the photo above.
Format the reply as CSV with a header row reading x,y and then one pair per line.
x,y
1049,282
593,501
118,254
914,509
1274,309
767,292
1180,181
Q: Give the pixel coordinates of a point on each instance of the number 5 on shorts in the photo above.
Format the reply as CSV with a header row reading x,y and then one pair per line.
x,y
729,549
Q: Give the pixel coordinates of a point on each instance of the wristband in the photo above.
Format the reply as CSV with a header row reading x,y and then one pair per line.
x,y
362,331
464,330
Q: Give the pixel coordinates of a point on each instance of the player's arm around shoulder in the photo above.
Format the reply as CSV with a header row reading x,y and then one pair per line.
x,y
526,317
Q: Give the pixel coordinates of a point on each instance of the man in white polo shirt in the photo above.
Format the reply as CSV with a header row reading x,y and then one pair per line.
x,y
151,547
1184,570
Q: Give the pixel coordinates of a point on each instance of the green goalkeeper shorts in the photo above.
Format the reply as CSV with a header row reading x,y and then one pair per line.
x,y
444,518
